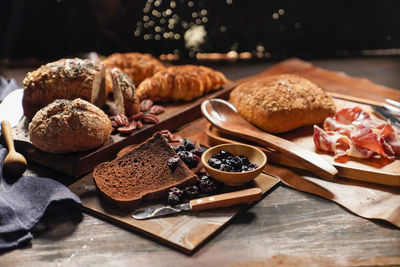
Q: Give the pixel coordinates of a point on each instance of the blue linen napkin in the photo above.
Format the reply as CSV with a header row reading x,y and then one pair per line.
x,y
24,201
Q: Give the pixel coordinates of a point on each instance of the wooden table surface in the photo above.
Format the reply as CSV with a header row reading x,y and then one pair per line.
x,y
286,227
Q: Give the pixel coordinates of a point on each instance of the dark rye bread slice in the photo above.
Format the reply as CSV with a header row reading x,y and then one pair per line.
x,y
141,174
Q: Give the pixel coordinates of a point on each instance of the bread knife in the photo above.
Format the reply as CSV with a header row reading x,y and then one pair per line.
x,y
210,202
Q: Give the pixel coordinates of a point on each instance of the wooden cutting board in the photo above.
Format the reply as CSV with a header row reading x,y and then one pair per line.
x,y
80,163
185,232
375,170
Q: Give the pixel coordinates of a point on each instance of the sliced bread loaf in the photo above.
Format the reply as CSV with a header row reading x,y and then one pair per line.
x,y
142,173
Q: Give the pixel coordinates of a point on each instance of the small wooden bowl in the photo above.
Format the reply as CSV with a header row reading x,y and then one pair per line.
x,y
254,155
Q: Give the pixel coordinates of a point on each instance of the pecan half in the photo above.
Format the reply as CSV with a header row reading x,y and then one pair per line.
x,y
121,120
128,129
156,109
139,125
136,116
146,104
149,119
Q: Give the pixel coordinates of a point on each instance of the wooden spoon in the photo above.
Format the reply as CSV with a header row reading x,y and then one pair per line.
x,y
14,163
225,117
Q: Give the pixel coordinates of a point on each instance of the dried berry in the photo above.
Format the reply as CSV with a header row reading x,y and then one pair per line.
x,y
192,192
214,163
146,104
207,184
156,109
173,163
173,199
188,145
176,191
179,148
189,158
198,151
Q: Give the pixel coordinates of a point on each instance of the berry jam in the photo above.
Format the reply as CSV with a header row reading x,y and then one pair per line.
x,y
227,162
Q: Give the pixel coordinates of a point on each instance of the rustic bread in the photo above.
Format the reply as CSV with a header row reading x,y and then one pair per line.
x,y
67,126
136,65
184,82
124,93
282,102
141,173
64,79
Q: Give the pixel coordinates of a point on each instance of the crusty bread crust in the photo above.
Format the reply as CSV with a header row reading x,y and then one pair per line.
x,y
68,126
63,79
124,93
141,173
184,82
282,102
136,65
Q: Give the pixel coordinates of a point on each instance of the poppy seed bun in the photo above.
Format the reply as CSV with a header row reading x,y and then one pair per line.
x,y
68,126
282,102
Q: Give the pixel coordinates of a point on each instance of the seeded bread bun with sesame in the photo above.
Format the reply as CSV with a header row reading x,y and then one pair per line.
x,y
281,103
68,126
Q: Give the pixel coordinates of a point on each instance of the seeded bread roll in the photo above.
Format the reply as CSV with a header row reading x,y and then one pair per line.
x,y
68,126
185,82
141,174
64,79
124,93
136,65
281,103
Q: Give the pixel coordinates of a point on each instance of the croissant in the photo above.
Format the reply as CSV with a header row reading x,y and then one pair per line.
x,y
184,82
138,66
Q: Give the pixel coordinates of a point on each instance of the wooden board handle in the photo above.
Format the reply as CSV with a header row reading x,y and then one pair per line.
x,y
6,131
226,199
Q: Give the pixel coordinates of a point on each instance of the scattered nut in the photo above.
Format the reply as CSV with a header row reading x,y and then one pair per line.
x,y
149,119
128,129
156,109
146,104
136,116
121,120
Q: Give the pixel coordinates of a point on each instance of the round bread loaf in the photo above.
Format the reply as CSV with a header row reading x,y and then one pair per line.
x,y
69,125
64,79
281,103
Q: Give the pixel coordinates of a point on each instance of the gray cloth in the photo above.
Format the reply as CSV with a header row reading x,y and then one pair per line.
x,y
24,201
6,87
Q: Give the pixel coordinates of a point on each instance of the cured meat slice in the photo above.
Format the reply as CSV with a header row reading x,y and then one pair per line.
x,y
354,132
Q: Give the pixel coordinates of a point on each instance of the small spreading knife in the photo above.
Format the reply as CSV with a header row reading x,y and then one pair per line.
x,y
386,114
210,202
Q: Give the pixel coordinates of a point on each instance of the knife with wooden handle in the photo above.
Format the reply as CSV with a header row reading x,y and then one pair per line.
x,y
210,202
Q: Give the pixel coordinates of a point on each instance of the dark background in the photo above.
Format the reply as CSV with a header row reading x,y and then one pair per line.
x,y
44,29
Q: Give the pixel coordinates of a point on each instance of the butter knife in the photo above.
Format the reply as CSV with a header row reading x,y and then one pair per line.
x,y
210,202
386,114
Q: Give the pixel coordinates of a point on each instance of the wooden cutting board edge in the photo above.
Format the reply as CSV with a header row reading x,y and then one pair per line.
x,y
266,187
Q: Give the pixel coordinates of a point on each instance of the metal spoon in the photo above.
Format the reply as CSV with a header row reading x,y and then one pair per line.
x,y
225,117
14,163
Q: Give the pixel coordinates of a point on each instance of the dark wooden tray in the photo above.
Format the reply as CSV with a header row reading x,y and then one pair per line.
x,y
81,163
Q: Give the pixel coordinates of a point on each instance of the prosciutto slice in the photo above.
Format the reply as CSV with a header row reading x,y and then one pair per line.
x,y
353,132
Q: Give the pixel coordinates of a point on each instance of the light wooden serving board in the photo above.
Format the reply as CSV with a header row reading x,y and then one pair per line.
x,y
80,163
375,170
185,231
